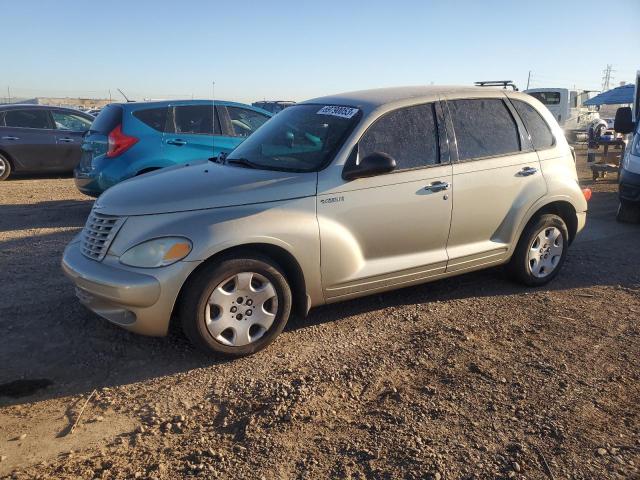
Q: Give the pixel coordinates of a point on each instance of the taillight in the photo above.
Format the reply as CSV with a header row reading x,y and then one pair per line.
x,y
587,193
119,142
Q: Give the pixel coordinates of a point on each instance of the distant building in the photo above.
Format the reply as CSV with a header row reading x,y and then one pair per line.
x,y
83,103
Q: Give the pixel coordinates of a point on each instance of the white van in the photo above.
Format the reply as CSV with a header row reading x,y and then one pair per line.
x,y
628,121
567,107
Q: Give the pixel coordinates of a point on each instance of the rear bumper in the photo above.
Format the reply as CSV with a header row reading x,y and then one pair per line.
x,y
629,187
87,184
140,302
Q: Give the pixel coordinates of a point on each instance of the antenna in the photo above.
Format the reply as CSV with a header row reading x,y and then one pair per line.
x,y
213,119
125,97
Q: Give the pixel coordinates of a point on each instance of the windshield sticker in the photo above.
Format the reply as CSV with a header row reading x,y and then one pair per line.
x,y
336,111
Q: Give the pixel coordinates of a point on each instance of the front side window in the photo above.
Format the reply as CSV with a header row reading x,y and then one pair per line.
x,y
483,128
198,119
409,135
547,98
301,138
27,119
244,122
70,121
155,118
541,136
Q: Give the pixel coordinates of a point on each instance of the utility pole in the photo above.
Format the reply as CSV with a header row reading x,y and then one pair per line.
x,y
607,78
8,94
528,80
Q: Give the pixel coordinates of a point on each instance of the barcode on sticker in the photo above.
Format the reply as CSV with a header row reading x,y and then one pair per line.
x,y
337,111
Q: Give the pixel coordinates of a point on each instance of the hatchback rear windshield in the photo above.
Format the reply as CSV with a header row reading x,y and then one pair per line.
x,y
107,119
301,138
548,98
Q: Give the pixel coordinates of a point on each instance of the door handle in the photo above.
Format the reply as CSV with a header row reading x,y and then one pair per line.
x,y
177,142
66,140
437,186
526,171
11,138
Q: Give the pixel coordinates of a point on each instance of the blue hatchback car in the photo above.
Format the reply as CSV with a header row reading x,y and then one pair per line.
x,y
129,139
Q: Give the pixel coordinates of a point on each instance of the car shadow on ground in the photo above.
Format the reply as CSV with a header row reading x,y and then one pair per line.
x,y
50,214
53,347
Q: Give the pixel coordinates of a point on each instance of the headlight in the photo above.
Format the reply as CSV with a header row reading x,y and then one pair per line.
x,y
158,252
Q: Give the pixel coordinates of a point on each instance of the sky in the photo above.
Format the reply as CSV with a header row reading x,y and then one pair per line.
x,y
295,50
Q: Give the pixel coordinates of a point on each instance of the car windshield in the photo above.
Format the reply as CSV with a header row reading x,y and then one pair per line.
x,y
301,138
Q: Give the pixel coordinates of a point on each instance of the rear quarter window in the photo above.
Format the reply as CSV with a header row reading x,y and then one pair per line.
x,y
484,128
155,118
541,136
108,119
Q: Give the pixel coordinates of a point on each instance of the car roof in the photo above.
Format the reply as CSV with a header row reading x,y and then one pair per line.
x,y
22,106
164,103
369,100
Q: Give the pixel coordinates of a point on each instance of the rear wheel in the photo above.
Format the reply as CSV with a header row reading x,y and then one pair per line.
x,y
236,307
5,168
541,251
628,212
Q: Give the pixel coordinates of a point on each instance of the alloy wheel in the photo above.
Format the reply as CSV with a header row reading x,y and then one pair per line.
x,y
545,252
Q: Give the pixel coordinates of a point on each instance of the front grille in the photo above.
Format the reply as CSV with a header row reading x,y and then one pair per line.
x,y
98,233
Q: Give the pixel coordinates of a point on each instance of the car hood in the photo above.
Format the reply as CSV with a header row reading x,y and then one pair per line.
x,y
203,185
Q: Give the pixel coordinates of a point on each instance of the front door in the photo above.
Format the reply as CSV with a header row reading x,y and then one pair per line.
x,y
496,177
389,230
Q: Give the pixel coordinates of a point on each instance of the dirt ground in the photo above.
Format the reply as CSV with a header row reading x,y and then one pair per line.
x,y
472,377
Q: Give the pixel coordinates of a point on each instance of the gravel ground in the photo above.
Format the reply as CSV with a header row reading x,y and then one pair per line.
x,y
472,377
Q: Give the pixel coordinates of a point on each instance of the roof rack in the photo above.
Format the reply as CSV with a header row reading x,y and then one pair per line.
x,y
497,83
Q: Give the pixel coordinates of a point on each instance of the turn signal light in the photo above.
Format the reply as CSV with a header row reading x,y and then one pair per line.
x,y
587,193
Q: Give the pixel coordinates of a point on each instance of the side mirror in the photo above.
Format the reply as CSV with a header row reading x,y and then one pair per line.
x,y
375,163
624,121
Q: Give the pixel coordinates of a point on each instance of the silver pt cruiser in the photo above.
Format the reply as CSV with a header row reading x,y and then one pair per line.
x,y
334,198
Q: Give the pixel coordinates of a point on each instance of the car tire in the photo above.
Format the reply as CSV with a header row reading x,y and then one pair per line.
x,y
628,213
540,252
237,306
5,168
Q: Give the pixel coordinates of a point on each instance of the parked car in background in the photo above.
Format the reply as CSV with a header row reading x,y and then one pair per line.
x,y
334,198
94,112
130,139
40,139
273,106
567,107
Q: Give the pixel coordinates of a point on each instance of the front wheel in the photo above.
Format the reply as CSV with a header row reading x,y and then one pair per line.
x,y
236,307
541,251
5,168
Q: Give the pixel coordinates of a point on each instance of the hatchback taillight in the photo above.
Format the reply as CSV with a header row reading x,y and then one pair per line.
x,y
119,142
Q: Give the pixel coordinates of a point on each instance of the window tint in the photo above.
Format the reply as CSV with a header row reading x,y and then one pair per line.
x,y
483,128
27,118
70,121
108,119
409,135
195,119
245,122
155,118
541,135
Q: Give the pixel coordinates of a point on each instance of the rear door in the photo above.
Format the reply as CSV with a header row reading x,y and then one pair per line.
x,y
70,128
496,179
27,135
194,134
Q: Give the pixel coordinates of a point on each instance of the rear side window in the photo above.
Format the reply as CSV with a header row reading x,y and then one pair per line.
x,y
409,135
483,128
155,118
547,98
541,135
196,119
108,119
27,119
244,121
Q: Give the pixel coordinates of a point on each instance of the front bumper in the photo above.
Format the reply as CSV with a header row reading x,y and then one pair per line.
x,y
629,188
141,302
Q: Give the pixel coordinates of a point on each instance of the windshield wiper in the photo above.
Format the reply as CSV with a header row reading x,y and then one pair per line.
x,y
243,162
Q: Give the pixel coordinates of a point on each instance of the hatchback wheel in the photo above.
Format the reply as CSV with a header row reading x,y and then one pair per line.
x,y
628,213
541,251
5,168
236,307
